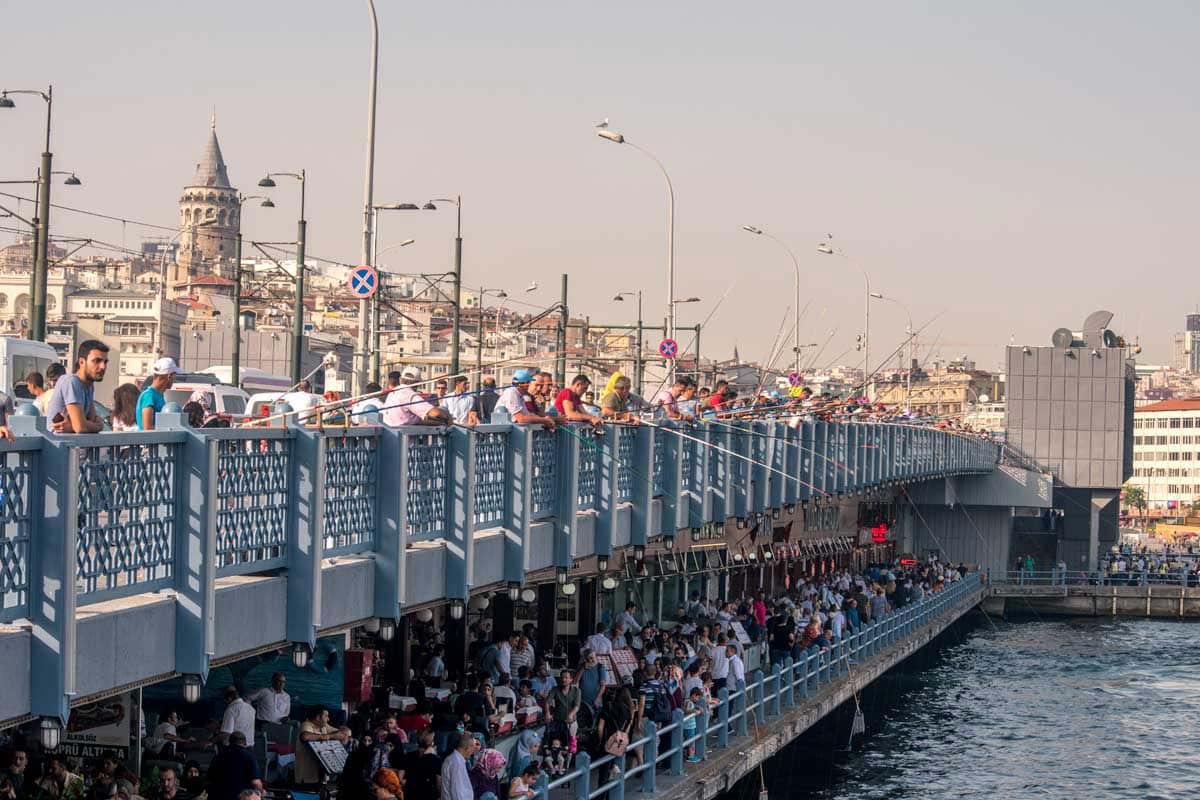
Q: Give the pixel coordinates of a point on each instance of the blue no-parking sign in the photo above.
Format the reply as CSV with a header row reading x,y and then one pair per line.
x,y
668,348
364,281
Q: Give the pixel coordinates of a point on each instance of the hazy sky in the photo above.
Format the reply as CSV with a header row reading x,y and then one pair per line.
x,y
1010,167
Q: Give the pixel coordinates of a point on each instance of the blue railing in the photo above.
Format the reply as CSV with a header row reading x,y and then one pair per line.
x,y
752,703
125,502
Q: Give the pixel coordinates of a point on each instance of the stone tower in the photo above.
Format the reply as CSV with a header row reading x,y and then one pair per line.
x,y
208,218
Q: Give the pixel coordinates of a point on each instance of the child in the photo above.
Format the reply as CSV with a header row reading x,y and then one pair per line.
x,y
555,758
526,698
691,711
522,787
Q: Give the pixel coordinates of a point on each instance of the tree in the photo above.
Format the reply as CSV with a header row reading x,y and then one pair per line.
x,y
1135,497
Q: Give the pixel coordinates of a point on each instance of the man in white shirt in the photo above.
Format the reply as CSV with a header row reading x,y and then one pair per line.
x,y
522,656
272,703
456,781
239,716
302,400
628,620
598,643
461,404
720,663
405,406
668,399
505,657
520,404
737,670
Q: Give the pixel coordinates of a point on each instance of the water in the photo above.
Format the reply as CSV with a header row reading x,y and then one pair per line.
x,y
1091,709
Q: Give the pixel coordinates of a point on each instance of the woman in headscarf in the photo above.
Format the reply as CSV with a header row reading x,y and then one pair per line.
x,y
386,785
208,406
526,751
485,777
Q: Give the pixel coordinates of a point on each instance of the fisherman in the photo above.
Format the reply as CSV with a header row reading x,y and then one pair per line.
x,y
521,406
406,407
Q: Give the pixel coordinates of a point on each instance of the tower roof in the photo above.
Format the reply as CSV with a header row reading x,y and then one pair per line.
x,y
211,169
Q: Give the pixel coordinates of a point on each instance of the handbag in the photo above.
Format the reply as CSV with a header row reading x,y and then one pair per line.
x,y
618,742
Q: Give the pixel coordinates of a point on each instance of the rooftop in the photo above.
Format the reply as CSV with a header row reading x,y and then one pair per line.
x,y
211,170
1192,404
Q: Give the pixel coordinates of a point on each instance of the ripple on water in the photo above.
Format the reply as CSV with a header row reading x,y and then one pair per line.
x,y
1062,709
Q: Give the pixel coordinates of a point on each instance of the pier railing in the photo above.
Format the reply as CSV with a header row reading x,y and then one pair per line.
x,y
1179,576
110,515
750,705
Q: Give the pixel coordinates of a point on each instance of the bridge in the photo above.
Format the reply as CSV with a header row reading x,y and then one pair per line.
x,y
127,559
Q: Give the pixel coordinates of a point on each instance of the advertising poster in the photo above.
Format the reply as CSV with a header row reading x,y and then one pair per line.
x,y
97,728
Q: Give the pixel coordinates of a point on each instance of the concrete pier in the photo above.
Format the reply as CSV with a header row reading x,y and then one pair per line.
x,y
1162,601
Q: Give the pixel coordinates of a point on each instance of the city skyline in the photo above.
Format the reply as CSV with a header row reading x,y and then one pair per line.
x,y
1002,139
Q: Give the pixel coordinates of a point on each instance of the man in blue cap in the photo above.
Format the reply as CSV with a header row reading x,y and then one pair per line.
x,y
519,403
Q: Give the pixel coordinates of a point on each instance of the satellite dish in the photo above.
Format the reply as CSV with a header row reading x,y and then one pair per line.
x,y
983,398
1110,339
1062,338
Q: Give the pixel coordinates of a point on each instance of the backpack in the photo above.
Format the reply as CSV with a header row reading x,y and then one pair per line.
x,y
662,711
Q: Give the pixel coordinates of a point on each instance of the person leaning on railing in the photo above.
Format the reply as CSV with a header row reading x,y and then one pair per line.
x,y
405,406
72,406
521,405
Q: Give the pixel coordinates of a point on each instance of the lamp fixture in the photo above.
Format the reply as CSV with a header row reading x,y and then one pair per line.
x,y
457,607
528,595
669,542
569,589
609,583
387,629
602,563
514,591
560,574
191,688
695,534
300,653
639,552
49,732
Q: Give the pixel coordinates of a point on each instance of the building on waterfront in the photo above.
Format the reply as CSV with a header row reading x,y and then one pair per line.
x,y
949,391
1070,408
1166,453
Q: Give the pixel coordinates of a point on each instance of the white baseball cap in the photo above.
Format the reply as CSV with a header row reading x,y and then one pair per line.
x,y
166,366
411,374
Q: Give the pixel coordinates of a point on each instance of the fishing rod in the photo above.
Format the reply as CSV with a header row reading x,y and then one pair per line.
x,y
729,452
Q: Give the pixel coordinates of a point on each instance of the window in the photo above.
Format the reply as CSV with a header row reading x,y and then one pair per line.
x,y
128,329
1173,457
1186,455
1161,440
1189,422
1162,421
1173,440
1176,422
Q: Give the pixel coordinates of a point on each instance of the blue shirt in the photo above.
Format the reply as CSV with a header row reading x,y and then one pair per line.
x,y
589,682
149,398
70,390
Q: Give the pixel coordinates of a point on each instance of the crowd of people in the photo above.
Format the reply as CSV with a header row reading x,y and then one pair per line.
x,y
456,747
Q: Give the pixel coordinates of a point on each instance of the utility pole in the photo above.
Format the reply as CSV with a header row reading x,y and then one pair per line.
x,y
360,367
560,361
456,335
298,338
375,324
699,371
41,269
235,358
639,366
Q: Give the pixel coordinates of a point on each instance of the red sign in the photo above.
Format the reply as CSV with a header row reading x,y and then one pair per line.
x,y
879,533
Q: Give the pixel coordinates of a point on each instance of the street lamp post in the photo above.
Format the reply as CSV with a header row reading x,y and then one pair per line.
x,y
360,372
696,344
37,317
377,299
909,333
617,138
235,356
72,180
456,334
796,265
301,235
500,295
639,366
827,249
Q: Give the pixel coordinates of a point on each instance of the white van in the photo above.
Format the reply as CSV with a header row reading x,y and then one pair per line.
x,y
250,380
229,401
18,358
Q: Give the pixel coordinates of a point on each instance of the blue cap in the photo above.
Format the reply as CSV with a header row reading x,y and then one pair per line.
x,y
522,376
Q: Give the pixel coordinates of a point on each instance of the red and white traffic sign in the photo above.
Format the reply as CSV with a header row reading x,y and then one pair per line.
x,y
363,281
668,348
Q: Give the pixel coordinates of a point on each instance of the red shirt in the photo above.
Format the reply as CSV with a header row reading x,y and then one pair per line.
x,y
567,394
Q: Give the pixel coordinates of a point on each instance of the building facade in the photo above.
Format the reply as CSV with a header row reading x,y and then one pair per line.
x,y
1166,453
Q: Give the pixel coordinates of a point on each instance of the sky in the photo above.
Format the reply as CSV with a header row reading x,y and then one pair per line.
x,y
1001,170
